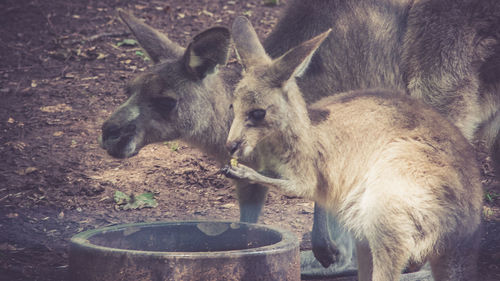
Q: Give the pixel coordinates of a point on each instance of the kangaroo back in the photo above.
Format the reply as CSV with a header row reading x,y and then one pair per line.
x,y
451,60
363,51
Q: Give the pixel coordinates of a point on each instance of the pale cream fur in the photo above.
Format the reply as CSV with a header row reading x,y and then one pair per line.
x,y
399,176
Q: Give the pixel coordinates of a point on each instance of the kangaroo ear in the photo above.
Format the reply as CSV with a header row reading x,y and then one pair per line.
x,y
207,50
295,62
157,45
249,50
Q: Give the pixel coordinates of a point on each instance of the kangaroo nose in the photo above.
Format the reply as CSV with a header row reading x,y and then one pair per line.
x,y
232,146
114,132
110,132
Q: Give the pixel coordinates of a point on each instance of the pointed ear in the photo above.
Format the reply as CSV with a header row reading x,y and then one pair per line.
x,y
249,50
295,62
157,45
207,50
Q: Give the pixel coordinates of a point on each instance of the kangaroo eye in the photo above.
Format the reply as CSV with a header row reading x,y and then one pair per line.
x,y
257,115
163,105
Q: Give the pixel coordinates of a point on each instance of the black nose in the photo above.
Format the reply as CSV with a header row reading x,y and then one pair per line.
x,y
114,132
233,146
110,132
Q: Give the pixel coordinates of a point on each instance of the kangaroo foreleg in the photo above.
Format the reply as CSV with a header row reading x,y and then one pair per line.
x,y
243,172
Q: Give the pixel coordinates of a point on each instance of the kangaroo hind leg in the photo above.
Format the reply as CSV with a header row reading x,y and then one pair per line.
x,y
389,259
458,262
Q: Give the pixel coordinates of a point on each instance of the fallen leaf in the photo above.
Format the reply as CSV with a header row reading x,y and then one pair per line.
x,y
62,107
126,202
90,78
7,247
58,133
121,198
271,2
127,42
101,56
228,206
29,170
17,145
11,120
12,215
205,12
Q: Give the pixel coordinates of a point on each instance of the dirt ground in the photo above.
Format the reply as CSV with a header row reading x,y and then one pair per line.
x,y
63,65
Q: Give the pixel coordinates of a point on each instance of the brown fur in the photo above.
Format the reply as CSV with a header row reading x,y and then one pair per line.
x,y
396,173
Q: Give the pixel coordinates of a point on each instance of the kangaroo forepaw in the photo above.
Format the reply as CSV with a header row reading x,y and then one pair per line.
x,y
239,171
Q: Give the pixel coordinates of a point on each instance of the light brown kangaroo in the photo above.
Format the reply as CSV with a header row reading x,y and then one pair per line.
x,y
400,177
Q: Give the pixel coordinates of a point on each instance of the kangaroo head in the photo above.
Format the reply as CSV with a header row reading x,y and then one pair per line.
x,y
267,102
168,101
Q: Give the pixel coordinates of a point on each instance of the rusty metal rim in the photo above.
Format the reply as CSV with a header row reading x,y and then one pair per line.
x,y
288,240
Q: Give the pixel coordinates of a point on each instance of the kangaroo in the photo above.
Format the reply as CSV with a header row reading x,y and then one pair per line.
x,y
181,96
451,60
399,176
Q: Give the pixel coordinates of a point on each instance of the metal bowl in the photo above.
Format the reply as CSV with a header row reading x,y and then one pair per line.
x,y
187,250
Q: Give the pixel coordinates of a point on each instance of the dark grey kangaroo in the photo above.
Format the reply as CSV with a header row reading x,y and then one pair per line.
x,y
451,60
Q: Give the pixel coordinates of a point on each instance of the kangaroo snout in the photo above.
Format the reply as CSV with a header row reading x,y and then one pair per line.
x,y
113,132
232,146
119,140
